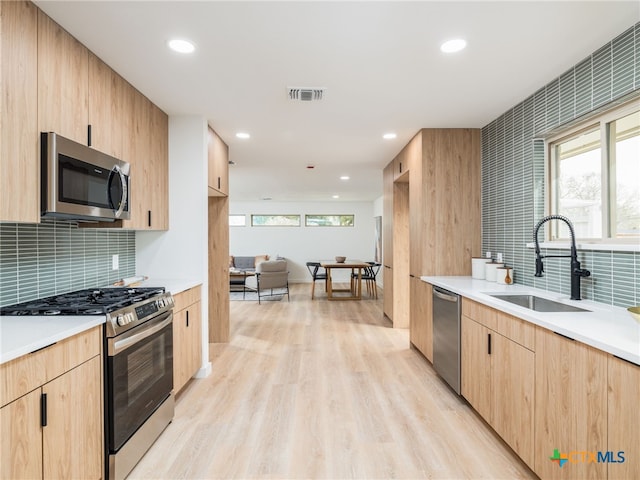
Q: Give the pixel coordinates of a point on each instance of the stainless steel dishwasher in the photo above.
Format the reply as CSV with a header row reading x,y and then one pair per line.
x,y
446,336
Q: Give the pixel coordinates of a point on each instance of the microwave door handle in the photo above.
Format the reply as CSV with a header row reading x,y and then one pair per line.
x,y
123,182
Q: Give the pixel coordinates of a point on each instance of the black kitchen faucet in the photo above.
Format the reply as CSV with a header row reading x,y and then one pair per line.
x,y
576,271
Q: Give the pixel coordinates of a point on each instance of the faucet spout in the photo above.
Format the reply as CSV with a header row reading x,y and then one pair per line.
x,y
576,271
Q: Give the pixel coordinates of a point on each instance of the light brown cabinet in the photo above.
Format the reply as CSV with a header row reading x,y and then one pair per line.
x,y
187,336
63,86
52,83
51,420
497,373
149,200
218,160
19,159
111,110
571,405
431,209
623,419
421,328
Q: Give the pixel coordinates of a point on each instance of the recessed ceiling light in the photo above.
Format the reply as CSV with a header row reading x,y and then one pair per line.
x,y
389,136
344,177
243,135
452,46
336,196
181,46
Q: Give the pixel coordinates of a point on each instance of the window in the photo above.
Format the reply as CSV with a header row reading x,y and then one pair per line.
x,y
328,220
595,177
275,220
237,220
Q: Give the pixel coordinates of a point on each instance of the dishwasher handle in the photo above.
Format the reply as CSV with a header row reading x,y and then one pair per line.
x,y
444,295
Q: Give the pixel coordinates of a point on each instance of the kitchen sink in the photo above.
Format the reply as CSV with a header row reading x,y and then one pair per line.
x,y
538,304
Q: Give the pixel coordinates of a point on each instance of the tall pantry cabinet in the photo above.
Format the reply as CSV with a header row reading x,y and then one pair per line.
x,y
431,216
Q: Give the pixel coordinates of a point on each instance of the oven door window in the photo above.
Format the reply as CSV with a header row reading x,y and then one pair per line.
x,y
140,378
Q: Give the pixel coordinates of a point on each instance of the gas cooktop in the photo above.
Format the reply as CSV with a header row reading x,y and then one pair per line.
x,y
83,302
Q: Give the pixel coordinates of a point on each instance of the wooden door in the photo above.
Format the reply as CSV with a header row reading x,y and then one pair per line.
x,y
73,437
63,85
111,110
623,418
140,159
512,395
218,163
159,170
179,349
19,156
21,438
476,366
421,322
194,335
570,405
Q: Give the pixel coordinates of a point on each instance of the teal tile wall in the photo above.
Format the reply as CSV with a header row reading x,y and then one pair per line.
x,y
513,189
49,258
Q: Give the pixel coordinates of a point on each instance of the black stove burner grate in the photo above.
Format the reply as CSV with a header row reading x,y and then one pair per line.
x,y
83,302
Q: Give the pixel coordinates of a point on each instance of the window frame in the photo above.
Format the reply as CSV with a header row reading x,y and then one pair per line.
x,y
600,122
253,215
313,215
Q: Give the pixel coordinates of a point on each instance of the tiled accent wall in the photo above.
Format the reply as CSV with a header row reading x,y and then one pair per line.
x,y
513,188
39,260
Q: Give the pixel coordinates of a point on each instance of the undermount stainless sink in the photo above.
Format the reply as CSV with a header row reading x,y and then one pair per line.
x,y
538,304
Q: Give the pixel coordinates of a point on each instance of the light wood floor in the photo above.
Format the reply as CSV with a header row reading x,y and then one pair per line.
x,y
323,390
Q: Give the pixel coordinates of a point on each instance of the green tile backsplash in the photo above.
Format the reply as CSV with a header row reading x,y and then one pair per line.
x,y
49,258
513,173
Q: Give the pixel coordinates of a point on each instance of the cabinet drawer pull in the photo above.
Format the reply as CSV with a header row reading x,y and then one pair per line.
x,y
89,135
489,343
43,410
627,361
218,183
149,219
564,336
187,318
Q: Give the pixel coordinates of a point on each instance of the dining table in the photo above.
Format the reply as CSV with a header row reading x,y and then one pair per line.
x,y
355,288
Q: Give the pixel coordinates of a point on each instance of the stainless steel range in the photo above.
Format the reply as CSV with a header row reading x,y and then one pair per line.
x,y
138,346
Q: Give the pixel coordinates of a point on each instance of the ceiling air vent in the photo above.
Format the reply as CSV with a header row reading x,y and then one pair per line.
x,y
306,94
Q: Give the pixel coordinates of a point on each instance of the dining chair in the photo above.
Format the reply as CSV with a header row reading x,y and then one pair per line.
x,y
369,275
316,274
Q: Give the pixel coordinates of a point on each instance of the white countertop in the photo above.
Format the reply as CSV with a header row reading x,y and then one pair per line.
x,y
173,285
20,335
605,327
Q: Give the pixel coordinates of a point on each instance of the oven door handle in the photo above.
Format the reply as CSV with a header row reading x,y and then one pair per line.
x,y
127,339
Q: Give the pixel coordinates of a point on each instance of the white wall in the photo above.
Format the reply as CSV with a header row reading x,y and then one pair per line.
x,y
181,252
302,244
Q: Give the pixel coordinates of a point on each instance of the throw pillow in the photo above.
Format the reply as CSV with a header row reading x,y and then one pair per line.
x,y
231,265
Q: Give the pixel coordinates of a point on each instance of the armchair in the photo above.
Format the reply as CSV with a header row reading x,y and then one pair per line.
x,y
270,275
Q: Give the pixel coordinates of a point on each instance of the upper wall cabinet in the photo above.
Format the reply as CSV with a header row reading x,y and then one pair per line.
x,y
149,202
218,153
49,82
63,87
111,110
19,159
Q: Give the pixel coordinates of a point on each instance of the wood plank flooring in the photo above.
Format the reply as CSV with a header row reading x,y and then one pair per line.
x,y
319,389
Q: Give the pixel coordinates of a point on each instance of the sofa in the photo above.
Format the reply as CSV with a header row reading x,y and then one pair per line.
x,y
240,264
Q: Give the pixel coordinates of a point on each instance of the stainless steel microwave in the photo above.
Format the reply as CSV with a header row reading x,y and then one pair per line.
x,y
81,183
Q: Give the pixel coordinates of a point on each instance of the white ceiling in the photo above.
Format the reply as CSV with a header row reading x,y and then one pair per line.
x,y
379,62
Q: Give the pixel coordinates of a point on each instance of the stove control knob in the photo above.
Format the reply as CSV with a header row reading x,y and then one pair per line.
x,y
161,303
120,320
128,317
